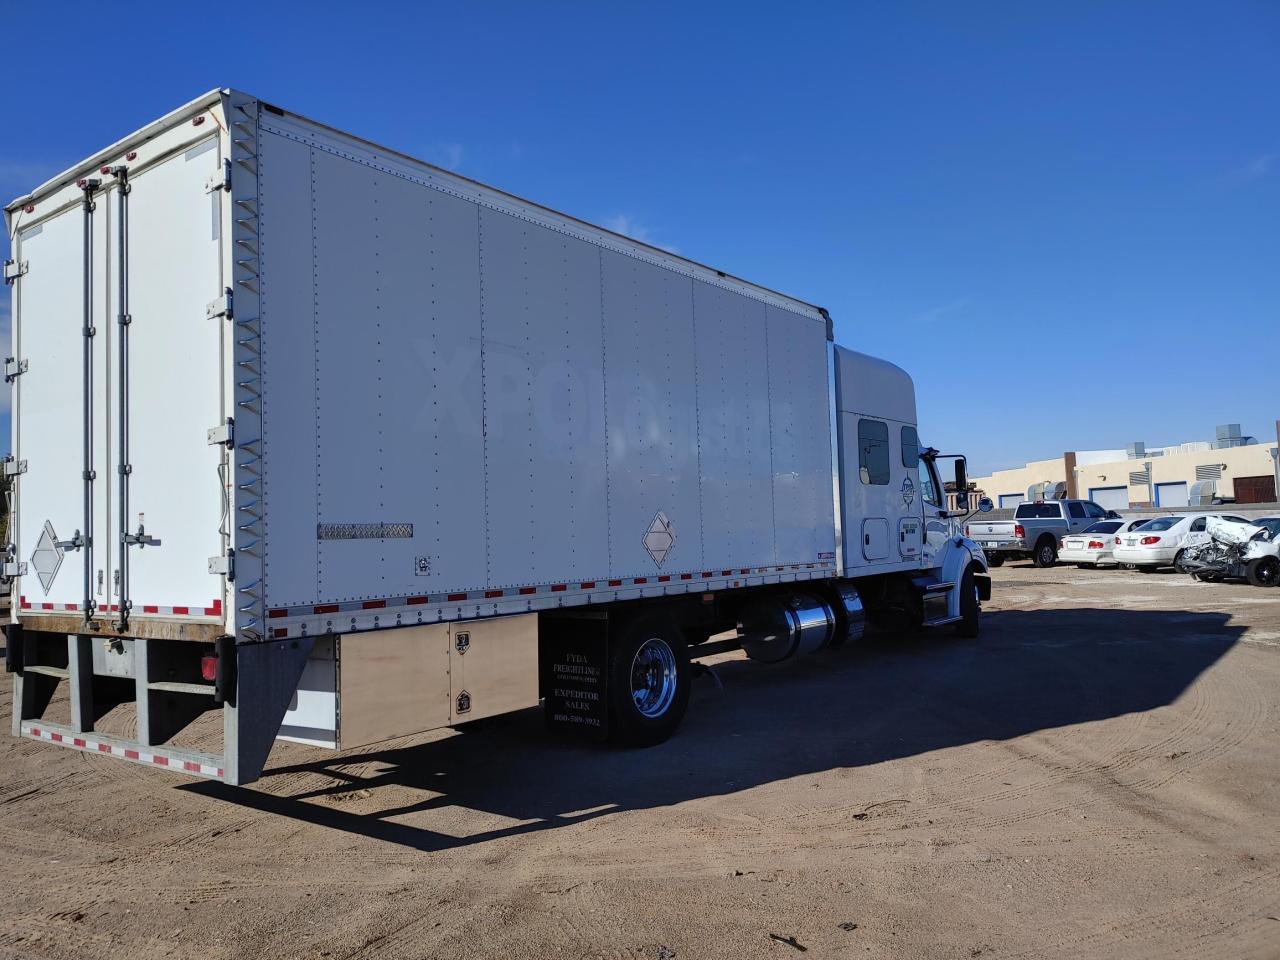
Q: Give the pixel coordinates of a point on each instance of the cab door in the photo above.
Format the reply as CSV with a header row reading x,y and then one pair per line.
x,y
937,527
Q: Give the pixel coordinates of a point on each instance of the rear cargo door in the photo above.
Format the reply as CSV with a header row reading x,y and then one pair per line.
x,y
170,370
49,322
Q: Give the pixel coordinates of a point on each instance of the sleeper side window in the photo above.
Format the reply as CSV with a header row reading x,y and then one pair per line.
x,y
873,452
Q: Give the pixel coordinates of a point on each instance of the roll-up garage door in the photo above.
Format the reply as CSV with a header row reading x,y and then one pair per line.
x,y
1110,498
1010,500
1171,494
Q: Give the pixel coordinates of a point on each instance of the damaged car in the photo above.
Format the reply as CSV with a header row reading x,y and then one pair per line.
x,y
1234,550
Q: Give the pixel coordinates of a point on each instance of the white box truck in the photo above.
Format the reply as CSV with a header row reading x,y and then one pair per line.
x,y
338,446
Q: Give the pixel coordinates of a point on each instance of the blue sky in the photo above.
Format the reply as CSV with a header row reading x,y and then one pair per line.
x,y
1060,218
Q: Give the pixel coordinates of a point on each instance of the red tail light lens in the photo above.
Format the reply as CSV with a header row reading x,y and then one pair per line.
x,y
1117,541
1098,544
1019,530
209,667
966,529
1148,541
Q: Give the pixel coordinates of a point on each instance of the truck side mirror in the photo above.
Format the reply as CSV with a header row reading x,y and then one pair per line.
x,y
985,505
962,485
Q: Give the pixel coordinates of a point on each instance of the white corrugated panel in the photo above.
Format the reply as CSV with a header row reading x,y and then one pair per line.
x,y
458,397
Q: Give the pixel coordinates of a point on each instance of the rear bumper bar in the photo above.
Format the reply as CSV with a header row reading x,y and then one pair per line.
x,y
180,761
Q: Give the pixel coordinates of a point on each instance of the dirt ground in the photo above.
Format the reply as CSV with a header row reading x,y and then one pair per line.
x,y
1095,776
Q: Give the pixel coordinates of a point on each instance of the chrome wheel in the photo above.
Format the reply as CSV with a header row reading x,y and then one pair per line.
x,y
653,678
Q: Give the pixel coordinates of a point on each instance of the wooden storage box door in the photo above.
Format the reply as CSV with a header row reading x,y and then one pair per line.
x,y
493,666
392,683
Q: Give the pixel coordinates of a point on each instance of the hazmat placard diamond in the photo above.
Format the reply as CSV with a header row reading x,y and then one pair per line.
x,y
47,557
660,538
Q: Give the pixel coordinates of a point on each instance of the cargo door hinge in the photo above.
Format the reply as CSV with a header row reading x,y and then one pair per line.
x,y
224,565
13,569
222,307
13,467
13,369
220,179
13,269
224,435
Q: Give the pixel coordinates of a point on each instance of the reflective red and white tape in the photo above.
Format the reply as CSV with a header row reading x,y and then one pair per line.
x,y
445,606
213,610
138,753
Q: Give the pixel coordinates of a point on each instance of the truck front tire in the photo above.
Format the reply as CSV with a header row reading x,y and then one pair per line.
x,y
970,608
648,681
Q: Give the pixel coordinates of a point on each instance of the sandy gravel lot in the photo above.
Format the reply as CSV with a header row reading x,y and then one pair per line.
x,y
1096,776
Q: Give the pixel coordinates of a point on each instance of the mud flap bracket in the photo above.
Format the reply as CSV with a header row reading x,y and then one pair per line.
x,y
266,679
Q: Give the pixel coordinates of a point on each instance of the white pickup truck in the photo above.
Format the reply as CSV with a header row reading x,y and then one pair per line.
x,y
1035,530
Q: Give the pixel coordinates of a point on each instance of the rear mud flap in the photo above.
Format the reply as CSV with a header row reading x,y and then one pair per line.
x,y
573,652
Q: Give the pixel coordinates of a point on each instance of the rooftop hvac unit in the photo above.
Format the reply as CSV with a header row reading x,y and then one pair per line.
x,y
1137,450
1203,493
1035,492
1056,491
1229,435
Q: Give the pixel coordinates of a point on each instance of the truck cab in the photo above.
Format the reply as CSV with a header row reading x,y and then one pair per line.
x,y
891,495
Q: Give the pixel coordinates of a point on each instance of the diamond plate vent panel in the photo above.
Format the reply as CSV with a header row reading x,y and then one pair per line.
x,y
660,538
47,557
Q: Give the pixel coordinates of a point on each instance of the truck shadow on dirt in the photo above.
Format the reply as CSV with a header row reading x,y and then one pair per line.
x,y
882,700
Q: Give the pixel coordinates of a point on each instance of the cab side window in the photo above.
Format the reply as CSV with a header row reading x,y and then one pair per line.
x,y
927,490
873,452
1077,510
1091,509
910,447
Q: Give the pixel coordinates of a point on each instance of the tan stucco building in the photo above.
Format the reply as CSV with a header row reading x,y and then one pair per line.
x,y
1139,477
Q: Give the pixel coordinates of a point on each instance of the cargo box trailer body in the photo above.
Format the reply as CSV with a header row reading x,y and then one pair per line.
x,y
347,447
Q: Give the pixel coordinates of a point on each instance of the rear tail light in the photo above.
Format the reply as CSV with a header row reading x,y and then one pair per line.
x,y
1098,544
1117,541
966,529
1019,530
1148,541
209,667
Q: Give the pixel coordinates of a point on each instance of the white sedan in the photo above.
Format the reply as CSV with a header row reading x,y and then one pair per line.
x,y
1156,543
1095,545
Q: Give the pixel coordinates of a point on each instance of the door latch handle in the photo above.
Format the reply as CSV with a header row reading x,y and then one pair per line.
x,y
140,539
75,543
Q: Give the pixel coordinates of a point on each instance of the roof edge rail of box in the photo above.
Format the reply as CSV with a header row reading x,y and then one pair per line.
x,y
142,135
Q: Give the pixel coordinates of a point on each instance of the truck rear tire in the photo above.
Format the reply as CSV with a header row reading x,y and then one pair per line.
x,y
970,608
995,560
648,681
1046,554
1263,572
